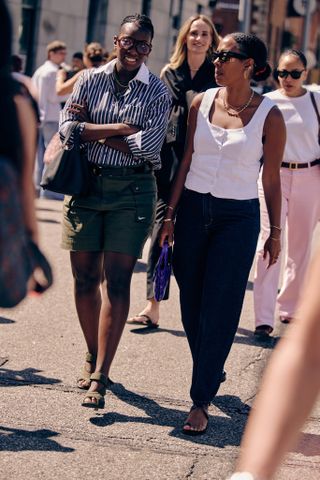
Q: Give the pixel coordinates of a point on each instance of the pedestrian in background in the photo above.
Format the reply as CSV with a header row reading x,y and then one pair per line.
x,y
44,79
16,66
127,109
190,71
66,79
300,184
294,372
218,218
93,57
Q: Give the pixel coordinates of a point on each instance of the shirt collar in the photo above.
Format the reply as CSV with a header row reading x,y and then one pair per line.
x,y
142,75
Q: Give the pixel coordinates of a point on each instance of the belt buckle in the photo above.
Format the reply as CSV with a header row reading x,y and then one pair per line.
x,y
293,165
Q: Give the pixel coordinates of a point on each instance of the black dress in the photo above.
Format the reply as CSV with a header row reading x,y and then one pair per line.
x,y
183,88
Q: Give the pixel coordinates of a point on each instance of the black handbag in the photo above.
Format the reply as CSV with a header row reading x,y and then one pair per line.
x,y
66,169
20,257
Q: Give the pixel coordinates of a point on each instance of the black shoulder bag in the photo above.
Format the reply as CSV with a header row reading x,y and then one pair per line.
x,y
66,169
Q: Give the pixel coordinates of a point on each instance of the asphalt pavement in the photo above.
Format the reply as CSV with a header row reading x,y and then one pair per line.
x,y
46,434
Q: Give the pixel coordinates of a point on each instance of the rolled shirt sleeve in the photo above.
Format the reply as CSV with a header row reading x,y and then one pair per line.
x,y
146,144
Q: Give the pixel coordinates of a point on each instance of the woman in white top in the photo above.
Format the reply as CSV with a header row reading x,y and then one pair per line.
x,y
217,226
300,183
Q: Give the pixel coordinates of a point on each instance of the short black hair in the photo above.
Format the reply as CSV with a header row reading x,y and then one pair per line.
x,y
143,21
256,49
295,53
78,55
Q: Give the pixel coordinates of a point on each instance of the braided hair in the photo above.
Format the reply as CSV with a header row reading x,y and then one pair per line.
x,y
143,21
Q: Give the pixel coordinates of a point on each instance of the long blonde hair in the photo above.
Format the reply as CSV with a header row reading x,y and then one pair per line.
x,y
180,49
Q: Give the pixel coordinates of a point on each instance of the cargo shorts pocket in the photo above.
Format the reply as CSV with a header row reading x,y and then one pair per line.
x,y
144,197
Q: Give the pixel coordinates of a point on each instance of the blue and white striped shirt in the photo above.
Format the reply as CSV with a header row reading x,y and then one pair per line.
x,y
146,104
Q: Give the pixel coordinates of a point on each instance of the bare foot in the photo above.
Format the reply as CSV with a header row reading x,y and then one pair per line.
x,y
197,421
151,313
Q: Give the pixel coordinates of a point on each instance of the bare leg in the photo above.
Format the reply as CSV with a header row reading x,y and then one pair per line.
x,y
293,371
118,270
87,271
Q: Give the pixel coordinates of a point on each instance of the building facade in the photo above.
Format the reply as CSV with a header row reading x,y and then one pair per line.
x,y
76,22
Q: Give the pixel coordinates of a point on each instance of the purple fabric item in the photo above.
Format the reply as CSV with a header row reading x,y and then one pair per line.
x,y
162,272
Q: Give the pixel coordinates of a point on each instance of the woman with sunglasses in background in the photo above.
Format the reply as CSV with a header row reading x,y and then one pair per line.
x,y
218,218
190,71
300,182
127,109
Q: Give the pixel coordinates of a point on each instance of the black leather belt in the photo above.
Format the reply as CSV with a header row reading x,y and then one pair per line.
x,y
296,166
100,171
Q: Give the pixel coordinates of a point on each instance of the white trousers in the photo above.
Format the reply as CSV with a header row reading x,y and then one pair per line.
x,y
300,213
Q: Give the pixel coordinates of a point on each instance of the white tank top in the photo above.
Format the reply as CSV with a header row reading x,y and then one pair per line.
x,y
302,126
226,162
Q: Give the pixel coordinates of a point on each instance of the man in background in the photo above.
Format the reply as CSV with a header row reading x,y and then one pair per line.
x,y
44,80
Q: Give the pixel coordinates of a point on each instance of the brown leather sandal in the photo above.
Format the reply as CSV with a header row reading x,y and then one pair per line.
x,y
85,375
97,395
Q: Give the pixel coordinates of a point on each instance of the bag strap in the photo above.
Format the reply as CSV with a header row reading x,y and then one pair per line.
x,y
314,103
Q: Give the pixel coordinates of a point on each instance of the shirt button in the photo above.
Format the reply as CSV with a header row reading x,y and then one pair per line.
x,y
137,188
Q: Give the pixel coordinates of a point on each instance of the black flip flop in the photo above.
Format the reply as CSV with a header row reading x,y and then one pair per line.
x,y
145,323
194,433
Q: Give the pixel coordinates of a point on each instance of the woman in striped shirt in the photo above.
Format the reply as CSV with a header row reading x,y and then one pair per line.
x,y
126,109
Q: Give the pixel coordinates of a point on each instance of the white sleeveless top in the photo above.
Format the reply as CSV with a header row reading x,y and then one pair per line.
x,y
302,126
226,162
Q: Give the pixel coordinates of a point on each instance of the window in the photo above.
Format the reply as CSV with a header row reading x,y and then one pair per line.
x,y
97,21
28,27
146,7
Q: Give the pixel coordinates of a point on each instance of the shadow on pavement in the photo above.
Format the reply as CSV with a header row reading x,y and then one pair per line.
x,y
27,376
247,338
17,440
147,331
4,320
222,431
309,445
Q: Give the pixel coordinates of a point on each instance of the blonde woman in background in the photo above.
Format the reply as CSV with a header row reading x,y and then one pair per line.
x,y
189,71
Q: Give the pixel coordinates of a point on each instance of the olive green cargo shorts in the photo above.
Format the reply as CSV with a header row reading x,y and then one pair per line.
x,y
116,216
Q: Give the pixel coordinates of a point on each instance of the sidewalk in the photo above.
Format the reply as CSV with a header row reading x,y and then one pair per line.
x,y
46,434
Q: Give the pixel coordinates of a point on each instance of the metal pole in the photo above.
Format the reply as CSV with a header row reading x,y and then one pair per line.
x,y
306,29
247,16
244,15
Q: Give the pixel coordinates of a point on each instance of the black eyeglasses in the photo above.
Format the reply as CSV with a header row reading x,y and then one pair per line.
x,y
295,74
226,55
128,42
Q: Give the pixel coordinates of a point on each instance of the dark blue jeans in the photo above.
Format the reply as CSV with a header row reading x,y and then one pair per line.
x,y
214,245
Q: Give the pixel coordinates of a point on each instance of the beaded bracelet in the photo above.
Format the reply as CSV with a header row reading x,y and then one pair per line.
x,y
170,208
277,228
275,239
168,220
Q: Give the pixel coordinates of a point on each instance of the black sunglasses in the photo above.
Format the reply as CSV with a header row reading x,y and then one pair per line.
x,y
226,55
295,74
128,42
